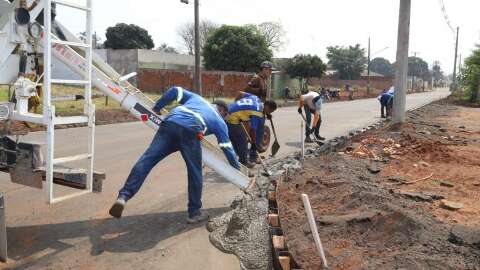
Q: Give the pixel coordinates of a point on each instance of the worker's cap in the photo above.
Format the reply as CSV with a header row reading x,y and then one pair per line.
x,y
267,64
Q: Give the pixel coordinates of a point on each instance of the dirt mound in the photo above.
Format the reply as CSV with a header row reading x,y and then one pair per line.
x,y
380,202
362,224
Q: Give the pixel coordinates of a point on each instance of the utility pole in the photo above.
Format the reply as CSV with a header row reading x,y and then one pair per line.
x,y
402,60
460,64
197,76
433,76
454,79
368,68
414,68
198,72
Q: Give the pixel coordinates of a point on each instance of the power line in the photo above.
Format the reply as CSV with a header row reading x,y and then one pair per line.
x,y
445,15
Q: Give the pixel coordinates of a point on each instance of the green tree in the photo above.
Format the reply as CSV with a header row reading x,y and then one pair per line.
x,y
235,48
348,61
164,47
128,36
471,76
437,73
419,68
382,66
304,67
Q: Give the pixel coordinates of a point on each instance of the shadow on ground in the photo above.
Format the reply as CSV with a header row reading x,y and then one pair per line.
x,y
213,177
128,234
294,144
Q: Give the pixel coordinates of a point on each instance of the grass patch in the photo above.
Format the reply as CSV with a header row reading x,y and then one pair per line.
x,y
74,107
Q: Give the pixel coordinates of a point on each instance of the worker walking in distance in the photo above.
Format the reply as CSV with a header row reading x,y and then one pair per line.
x,y
249,109
182,130
258,86
311,102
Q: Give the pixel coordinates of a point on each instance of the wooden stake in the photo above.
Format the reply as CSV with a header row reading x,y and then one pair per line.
x,y
278,242
418,180
273,220
272,196
284,262
302,139
313,228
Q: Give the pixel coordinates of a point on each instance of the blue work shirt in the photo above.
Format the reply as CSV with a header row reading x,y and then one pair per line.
x,y
196,114
385,98
249,108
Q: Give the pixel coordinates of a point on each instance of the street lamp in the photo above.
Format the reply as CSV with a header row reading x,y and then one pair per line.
x,y
197,78
368,63
379,51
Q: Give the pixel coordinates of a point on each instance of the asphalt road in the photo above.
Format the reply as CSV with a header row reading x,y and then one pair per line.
x,y
79,234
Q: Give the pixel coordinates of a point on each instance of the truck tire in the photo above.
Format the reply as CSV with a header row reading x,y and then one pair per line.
x,y
266,140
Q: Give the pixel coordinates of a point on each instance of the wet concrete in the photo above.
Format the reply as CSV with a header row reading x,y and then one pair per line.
x,y
244,232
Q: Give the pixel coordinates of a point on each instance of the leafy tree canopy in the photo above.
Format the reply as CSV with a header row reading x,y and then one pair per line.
x,y
235,48
382,66
128,36
305,66
418,67
471,75
349,62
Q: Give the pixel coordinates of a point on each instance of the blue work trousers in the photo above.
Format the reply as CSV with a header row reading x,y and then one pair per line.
x,y
170,138
239,141
258,140
309,119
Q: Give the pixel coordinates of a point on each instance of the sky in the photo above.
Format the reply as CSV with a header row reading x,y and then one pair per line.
x,y
311,25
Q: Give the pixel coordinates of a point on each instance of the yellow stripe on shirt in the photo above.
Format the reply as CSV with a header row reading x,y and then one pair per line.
x,y
242,116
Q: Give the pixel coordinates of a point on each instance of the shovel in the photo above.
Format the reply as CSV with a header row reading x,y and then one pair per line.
x,y
315,139
267,172
275,145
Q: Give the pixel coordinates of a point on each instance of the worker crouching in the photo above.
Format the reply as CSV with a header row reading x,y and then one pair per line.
x,y
249,109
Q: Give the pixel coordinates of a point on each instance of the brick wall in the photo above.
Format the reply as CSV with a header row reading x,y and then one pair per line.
x,y
158,80
376,83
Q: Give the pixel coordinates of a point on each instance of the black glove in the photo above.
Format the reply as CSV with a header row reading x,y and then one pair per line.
x,y
269,116
300,110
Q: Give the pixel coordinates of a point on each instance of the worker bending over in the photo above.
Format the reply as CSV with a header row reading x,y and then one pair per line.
x,y
182,130
386,103
312,103
247,109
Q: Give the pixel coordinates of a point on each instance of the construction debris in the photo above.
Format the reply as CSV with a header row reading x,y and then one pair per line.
x,y
446,183
374,168
465,236
345,192
356,217
452,205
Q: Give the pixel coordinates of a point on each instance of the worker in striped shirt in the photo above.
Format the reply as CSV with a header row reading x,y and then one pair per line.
x,y
248,109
